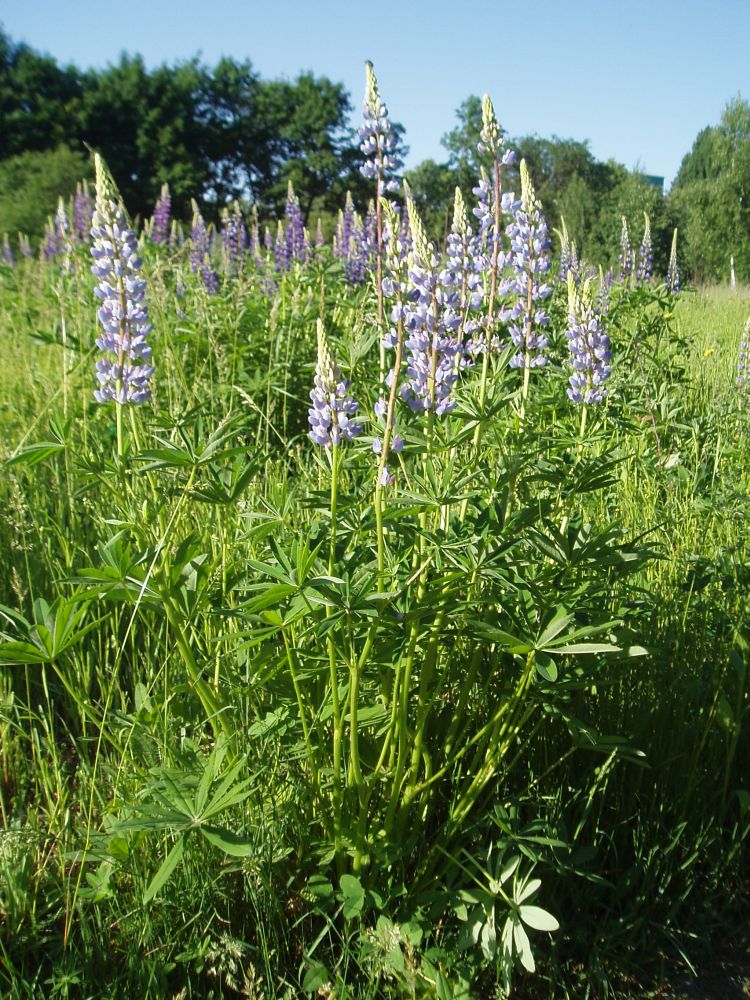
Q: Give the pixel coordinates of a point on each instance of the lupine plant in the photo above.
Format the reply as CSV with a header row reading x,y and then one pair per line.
x,y
162,214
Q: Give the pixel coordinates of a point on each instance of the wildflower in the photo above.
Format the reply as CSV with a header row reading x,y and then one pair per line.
x,y
83,210
379,143
645,253
530,260
565,255
200,257
590,353
8,257
626,253
233,236
295,245
431,319
331,414
673,274
743,360
160,219
24,245
123,372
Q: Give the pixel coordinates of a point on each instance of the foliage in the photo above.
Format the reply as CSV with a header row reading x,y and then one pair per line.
x,y
32,182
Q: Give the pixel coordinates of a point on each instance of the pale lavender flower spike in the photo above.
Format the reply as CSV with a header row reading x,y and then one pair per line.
x,y
124,371
378,144
332,410
590,353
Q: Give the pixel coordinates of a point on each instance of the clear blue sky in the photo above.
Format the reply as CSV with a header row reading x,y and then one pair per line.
x,y
638,78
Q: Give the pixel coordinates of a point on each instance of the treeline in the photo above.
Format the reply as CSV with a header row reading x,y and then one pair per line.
x,y
222,133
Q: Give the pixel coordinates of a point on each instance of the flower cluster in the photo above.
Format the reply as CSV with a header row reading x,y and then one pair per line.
x,y
530,260
673,274
162,212
354,241
743,359
588,344
8,257
330,415
124,371
200,253
292,243
83,211
233,236
379,143
431,318
626,253
645,253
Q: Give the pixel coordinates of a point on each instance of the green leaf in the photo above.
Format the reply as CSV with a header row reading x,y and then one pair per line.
x,y
538,918
32,454
316,977
170,863
545,667
228,842
523,946
353,896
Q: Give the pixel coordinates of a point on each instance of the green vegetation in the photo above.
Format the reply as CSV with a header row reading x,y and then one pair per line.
x,y
267,731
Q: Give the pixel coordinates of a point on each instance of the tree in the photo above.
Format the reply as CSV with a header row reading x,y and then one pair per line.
x,y
32,182
711,197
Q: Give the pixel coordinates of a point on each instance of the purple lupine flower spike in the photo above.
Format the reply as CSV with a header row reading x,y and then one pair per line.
x,y
8,257
200,253
332,411
296,243
162,212
124,371
743,359
626,253
645,253
564,251
233,237
590,354
530,259
673,274
431,318
83,210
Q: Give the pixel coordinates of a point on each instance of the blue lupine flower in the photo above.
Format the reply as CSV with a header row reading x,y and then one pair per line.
x,y
379,143
8,257
626,253
530,260
200,253
332,410
233,237
743,359
124,371
645,253
673,274
160,219
590,354
431,318
83,210
295,244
